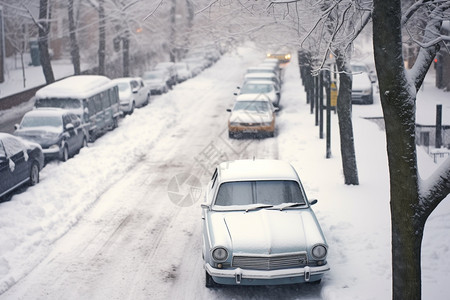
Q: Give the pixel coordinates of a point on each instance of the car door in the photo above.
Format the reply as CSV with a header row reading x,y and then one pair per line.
x,y
78,130
70,134
5,174
17,160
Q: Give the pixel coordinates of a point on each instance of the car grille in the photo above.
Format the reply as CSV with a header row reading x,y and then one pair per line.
x,y
273,262
250,124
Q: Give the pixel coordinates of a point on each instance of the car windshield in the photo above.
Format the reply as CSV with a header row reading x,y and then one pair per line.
x,y
123,86
253,106
251,88
152,75
268,192
38,121
359,68
58,102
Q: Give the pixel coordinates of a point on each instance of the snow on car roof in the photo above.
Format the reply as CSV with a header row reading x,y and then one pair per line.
x,y
252,97
47,112
259,169
79,86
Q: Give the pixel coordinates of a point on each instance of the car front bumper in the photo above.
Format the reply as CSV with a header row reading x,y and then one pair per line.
x,y
240,276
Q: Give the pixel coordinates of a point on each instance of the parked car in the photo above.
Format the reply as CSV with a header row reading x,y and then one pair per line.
x,y
93,98
267,88
263,69
259,228
133,92
196,65
20,162
183,71
263,77
157,81
362,85
252,114
169,67
58,131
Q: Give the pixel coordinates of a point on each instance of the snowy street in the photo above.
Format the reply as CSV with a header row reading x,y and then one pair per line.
x,y
110,223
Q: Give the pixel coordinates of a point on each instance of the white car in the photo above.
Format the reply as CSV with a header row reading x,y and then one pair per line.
x,y
183,71
265,87
362,86
259,227
133,92
157,81
264,77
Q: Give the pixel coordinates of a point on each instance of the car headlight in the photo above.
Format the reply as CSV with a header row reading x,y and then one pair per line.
x,y
367,91
220,254
319,251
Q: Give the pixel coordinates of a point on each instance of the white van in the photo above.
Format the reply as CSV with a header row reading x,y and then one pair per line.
x,y
94,98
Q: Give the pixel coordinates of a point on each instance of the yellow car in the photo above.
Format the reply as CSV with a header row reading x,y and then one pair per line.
x,y
282,57
252,114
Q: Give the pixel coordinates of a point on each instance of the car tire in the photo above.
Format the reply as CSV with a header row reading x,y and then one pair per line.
x,y
209,281
65,154
34,174
147,101
132,108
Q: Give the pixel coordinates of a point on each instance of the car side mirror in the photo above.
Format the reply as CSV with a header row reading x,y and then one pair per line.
x,y
70,126
313,201
205,206
228,109
16,126
134,91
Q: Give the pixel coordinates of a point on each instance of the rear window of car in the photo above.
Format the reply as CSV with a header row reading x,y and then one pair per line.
x,y
272,192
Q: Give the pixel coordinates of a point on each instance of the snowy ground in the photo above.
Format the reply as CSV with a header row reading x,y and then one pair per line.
x,y
102,226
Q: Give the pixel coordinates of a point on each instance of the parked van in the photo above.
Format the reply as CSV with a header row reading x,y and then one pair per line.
x,y
94,98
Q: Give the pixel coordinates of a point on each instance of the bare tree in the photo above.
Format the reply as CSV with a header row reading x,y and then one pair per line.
x,y
44,29
412,199
74,49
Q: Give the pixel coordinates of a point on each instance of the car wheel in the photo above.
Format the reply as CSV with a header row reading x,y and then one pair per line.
x,y
85,143
147,101
34,174
65,154
209,281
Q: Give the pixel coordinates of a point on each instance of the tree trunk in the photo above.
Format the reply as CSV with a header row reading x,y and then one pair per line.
x,y
74,49
44,30
101,38
344,109
398,103
172,38
126,55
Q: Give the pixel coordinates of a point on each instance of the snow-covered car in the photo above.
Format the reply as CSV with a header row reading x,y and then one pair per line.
x,y
58,131
252,114
259,228
157,81
362,85
183,71
169,67
267,88
133,92
263,76
20,162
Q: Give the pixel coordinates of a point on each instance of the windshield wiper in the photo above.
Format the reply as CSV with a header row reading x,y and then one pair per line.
x,y
287,205
258,207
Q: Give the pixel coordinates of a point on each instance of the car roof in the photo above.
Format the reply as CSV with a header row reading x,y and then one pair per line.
x,y
77,86
262,82
262,75
252,97
256,169
48,112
